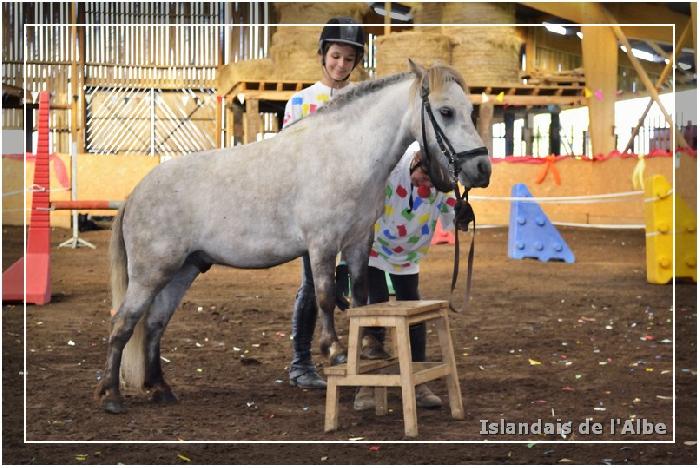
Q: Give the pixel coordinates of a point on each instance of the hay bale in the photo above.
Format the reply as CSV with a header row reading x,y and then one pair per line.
x,y
426,13
394,50
460,13
486,55
319,13
251,70
477,13
293,50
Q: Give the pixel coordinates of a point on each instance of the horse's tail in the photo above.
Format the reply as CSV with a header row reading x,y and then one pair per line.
x,y
133,364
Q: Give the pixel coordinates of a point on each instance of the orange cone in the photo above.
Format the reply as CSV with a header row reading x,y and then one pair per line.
x,y
441,236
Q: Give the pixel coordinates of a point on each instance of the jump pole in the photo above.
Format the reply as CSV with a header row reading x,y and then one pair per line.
x,y
74,205
86,205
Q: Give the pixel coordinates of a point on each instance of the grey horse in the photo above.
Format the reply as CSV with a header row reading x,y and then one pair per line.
x,y
317,187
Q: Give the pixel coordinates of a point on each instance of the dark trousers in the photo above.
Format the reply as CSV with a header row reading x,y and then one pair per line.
x,y
304,319
406,287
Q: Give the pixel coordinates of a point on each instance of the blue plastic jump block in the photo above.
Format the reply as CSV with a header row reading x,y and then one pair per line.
x,y
531,234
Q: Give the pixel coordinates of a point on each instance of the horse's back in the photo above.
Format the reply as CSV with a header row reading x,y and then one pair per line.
x,y
220,202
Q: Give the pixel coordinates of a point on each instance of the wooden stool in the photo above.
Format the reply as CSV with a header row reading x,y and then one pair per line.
x,y
397,316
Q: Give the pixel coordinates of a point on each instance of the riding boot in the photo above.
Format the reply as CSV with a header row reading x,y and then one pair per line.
x,y
302,371
373,343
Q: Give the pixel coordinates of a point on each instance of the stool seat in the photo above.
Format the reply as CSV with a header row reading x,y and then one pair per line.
x,y
397,315
397,308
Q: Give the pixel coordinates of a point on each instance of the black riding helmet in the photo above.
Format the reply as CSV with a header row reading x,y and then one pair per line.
x,y
343,30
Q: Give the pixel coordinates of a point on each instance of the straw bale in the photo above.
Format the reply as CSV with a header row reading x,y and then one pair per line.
x,y
293,50
296,37
486,55
426,13
308,12
261,70
478,13
461,13
394,50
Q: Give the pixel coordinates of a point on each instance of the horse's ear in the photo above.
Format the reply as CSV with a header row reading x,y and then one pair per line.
x,y
416,69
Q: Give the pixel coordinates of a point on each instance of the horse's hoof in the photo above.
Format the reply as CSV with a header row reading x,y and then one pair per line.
x,y
340,358
98,393
113,406
163,397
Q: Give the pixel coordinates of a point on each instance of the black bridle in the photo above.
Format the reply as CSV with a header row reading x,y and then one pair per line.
x,y
455,161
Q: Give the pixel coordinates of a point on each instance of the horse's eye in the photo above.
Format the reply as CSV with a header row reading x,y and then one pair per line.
x,y
447,112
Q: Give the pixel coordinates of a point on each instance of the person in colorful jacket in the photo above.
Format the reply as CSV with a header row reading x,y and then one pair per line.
x,y
402,237
341,49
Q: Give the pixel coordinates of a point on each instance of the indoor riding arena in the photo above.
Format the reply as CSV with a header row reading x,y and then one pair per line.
x,y
576,343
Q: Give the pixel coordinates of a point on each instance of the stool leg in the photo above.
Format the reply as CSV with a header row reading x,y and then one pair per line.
x,y
448,357
380,401
354,347
408,386
332,400
391,332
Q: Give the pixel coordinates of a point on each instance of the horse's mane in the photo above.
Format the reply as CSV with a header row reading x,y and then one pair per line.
x,y
438,77
360,90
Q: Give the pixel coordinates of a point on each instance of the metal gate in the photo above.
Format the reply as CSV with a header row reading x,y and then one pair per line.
x,y
157,122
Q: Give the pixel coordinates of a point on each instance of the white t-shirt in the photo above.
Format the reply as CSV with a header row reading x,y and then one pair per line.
x,y
403,233
306,102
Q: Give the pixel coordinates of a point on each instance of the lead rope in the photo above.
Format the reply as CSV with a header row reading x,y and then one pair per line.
x,y
449,153
470,258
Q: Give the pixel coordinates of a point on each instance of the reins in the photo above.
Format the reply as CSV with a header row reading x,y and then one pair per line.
x,y
452,157
470,255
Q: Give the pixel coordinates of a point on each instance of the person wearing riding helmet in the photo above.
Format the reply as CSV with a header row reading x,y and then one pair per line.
x,y
402,237
341,49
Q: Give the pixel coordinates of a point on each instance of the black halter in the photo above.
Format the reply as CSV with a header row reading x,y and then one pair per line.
x,y
455,160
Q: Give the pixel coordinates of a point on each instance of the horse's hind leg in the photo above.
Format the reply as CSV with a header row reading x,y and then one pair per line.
x,y
159,315
136,301
323,268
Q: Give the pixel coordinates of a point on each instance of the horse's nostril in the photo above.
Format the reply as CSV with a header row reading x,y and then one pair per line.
x,y
484,167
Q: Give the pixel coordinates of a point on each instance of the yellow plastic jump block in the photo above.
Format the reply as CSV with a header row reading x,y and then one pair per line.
x,y
658,216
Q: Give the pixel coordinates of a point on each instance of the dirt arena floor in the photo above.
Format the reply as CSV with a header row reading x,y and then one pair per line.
x,y
541,341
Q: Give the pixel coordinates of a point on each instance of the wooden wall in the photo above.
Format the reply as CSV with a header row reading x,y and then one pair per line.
x,y
113,177
122,47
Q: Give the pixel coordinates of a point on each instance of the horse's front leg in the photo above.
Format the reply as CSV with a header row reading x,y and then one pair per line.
x,y
357,258
323,268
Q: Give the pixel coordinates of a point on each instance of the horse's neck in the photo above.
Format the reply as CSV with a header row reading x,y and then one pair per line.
x,y
380,129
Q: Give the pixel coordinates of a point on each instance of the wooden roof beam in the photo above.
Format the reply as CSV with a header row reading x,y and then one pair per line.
x,y
659,51
539,37
629,13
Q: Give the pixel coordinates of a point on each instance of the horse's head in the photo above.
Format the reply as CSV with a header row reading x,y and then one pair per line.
x,y
443,126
